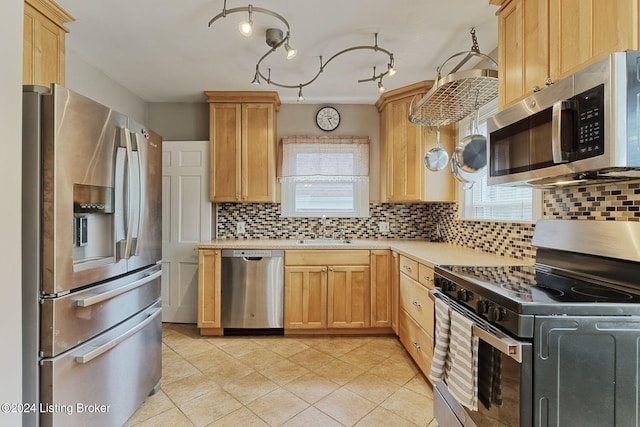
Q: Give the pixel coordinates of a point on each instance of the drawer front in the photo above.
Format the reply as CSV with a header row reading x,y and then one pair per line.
x,y
327,257
417,342
426,276
414,299
132,355
409,267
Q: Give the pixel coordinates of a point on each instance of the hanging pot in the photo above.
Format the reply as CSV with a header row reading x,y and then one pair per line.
x,y
466,178
436,158
471,152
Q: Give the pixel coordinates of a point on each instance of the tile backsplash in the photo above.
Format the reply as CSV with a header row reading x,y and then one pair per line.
x,y
406,221
439,221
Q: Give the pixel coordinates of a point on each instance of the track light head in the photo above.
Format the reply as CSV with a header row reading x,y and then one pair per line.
x,y
300,96
291,52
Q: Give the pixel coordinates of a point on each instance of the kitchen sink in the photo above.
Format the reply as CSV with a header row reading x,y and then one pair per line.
x,y
324,242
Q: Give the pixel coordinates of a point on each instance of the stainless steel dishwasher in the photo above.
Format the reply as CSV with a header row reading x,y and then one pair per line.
x,y
252,291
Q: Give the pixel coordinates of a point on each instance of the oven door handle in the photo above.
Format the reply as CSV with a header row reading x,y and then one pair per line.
x,y
483,330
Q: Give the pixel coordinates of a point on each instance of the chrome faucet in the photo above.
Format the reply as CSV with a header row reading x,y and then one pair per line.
x,y
324,226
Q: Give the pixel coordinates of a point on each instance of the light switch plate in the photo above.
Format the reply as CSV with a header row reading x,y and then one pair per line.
x,y
240,227
383,227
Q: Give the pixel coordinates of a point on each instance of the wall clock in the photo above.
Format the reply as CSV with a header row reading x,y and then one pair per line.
x,y
327,118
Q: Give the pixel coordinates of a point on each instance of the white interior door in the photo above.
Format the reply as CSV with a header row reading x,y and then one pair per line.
x,y
186,221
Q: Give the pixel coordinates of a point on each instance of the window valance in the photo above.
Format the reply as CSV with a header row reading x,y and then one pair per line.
x,y
335,156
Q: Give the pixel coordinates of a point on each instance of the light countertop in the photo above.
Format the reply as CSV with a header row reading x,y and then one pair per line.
x,y
428,253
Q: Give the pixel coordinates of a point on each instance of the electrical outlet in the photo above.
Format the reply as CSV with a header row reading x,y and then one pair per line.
x,y
383,227
240,227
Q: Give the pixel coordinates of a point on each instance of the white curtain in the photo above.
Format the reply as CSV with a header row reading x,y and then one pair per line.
x,y
327,156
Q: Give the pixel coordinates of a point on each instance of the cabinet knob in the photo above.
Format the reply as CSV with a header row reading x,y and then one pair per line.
x,y
416,345
548,82
330,268
406,267
416,304
536,88
427,278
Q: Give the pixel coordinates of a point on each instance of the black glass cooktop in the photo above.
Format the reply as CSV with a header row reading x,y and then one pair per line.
x,y
535,285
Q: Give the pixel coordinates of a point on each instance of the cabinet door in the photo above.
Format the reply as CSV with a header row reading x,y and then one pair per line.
x,y
305,297
380,288
209,280
583,31
43,47
225,135
258,153
349,298
523,49
406,163
395,290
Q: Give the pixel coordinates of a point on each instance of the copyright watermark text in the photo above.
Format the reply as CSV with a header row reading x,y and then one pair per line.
x,y
54,408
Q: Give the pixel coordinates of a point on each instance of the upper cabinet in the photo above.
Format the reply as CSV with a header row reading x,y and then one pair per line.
x,y
44,42
242,132
542,41
403,176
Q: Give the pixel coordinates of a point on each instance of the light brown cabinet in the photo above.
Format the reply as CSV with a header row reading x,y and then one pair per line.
x,y
242,133
331,290
348,299
44,43
395,290
209,282
541,41
381,288
305,297
417,311
403,176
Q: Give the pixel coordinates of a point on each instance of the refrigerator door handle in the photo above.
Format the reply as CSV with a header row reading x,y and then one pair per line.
x,y
120,214
90,355
138,184
95,299
128,195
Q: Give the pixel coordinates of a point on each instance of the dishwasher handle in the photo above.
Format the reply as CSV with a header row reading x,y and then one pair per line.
x,y
252,258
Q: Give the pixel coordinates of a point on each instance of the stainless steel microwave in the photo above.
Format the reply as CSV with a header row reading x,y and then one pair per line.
x,y
583,127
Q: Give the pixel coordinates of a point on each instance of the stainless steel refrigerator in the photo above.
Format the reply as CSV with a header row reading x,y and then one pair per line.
x,y
91,261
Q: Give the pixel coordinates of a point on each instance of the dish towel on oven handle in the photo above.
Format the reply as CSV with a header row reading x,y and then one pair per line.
x,y
441,348
462,360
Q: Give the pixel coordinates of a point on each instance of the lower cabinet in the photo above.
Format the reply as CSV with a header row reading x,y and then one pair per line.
x,y
348,297
417,342
305,297
336,290
417,311
209,282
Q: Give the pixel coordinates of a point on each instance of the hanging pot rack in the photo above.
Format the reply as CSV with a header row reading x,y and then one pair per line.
x,y
459,93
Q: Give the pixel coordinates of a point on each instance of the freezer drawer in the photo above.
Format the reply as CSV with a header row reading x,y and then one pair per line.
x,y
70,320
103,382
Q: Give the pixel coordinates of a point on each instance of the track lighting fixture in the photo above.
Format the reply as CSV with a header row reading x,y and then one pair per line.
x,y
275,38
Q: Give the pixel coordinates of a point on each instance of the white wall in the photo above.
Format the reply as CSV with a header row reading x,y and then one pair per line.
x,y
89,81
10,194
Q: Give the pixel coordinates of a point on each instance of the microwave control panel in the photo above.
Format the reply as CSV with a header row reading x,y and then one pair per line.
x,y
590,123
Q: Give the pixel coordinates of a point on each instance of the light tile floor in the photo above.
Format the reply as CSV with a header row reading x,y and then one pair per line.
x,y
285,381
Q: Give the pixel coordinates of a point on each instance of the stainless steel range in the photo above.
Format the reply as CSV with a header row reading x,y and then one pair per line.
x,y
559,340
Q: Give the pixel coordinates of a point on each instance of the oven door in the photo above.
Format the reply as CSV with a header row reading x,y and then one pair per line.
x,y
514,376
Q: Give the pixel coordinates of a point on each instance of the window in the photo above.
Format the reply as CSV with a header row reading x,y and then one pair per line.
x,y
324,176
494,202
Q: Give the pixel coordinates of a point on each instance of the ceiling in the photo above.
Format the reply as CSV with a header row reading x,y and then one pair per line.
x,y
164,51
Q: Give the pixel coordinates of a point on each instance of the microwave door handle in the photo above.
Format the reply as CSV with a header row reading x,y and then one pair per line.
x,y
560,148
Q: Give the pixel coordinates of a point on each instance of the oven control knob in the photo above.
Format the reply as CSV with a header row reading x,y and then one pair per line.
x,y
448,286
496,314
464,295
482,307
